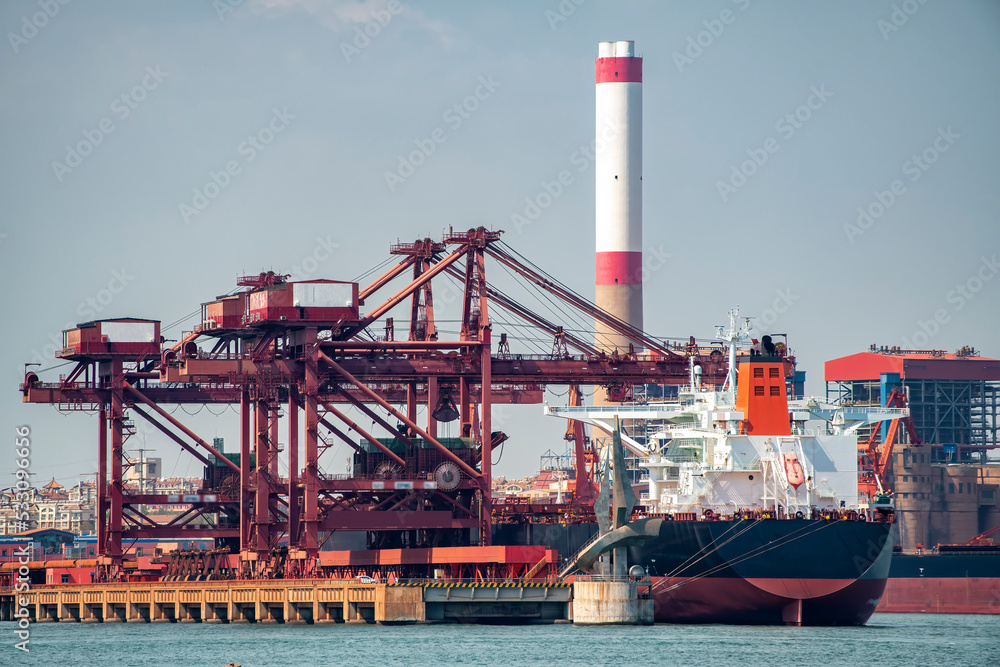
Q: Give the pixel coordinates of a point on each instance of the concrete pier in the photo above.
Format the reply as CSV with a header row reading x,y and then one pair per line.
x,y
296,601
590,600
300,601
611,601
489,602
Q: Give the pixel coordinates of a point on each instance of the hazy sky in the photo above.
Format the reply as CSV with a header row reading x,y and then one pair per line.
x,y
829,166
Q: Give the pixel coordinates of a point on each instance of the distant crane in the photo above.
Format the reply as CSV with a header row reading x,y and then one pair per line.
x,y
875,458
984,538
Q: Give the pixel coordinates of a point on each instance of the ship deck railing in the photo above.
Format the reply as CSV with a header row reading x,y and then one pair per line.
x,y
570,564
612,578
611,409
395,476
479,581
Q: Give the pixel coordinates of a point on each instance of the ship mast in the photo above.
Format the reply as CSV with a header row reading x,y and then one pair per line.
x,y
732,336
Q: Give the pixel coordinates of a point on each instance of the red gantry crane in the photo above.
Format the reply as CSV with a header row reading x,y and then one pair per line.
x,y
874,457
305,351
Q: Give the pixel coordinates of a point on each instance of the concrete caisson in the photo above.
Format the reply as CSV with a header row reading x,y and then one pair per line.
x,y
610,603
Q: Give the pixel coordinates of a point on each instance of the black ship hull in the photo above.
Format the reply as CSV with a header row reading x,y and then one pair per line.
x,y
823,572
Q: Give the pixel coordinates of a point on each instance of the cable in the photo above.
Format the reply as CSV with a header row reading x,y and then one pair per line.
x,y
193,313
499,456
375,268
52,368
712,547
520,325
753,553
547,276
548,301
757,551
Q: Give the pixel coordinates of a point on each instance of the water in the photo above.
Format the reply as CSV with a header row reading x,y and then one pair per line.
x,y
889,639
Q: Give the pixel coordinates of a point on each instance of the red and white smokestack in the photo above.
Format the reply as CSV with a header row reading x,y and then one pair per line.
x,y
618,165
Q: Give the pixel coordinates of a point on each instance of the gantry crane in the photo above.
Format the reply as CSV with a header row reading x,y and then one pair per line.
x,y
305,351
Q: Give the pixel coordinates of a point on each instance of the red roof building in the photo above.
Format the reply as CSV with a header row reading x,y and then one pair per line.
x,y
965,365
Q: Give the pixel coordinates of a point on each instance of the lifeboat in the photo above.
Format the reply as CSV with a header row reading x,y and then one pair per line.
x,y
793,470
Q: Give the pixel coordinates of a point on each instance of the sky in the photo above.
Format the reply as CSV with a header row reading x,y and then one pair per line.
x,y
830,167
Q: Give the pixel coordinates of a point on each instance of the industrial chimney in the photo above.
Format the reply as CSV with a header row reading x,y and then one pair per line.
x,y
618,165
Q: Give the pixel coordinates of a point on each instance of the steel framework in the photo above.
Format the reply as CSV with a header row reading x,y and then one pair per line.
x,y
299,364
963,412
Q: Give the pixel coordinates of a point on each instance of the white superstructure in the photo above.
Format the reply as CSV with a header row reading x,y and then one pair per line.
x,y
701,457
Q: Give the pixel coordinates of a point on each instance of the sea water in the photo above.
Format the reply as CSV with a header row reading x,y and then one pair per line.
x,y
888,639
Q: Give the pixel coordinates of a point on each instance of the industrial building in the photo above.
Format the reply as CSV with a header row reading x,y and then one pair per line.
x,y
946,486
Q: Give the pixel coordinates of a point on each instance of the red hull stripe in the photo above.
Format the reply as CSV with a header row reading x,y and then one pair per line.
x,y
801,589
619,268
939,595
736,600
619,70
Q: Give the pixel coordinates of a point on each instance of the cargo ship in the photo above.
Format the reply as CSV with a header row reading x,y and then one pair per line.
x,y
749,571
951,579
759,516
